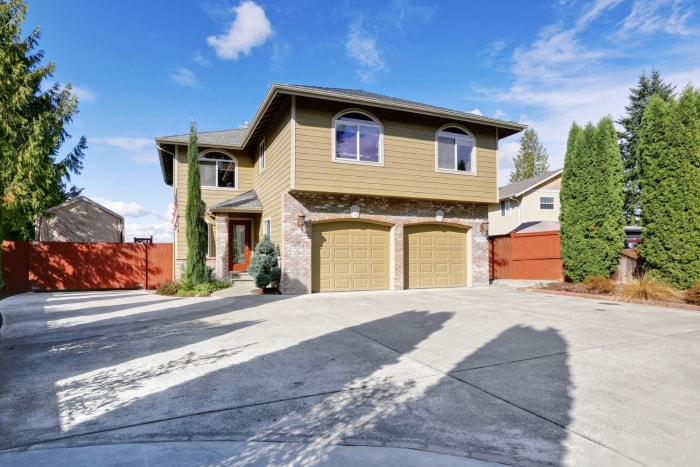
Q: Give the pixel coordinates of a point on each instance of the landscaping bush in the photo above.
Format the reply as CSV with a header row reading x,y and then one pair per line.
x,y
169,288
263,266
648,288
599,284
189,289
692,295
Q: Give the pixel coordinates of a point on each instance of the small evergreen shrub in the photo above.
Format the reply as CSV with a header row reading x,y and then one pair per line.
x,y
263,265
692,295
599,284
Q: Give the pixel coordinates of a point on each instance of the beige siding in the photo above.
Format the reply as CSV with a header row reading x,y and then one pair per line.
x,y
409,158
530,209
275,179
210,196
502,225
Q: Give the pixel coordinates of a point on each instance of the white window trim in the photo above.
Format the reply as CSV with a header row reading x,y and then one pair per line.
x,y
261,156
539,202
473,154
211,232
505,204
380,163
202,155
268,221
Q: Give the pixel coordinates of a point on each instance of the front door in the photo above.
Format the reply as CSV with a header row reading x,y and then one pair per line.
x,y
239,235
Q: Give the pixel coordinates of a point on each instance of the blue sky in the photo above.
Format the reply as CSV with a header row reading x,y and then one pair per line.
x,y
143,69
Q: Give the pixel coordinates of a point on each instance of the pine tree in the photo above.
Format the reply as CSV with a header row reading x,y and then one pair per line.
x,y
263,265
647,86
531,159
669,157
196,265
33,124
591,202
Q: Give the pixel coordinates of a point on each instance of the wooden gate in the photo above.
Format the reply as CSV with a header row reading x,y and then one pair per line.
x,y
532,256
85,266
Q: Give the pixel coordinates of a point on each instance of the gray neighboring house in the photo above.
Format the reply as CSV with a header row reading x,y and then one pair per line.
x,y
80,220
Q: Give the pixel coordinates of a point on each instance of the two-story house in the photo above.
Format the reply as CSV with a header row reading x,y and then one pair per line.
x,y
524,203
359,190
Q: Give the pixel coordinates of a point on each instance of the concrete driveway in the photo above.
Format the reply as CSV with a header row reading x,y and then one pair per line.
x,y
441,377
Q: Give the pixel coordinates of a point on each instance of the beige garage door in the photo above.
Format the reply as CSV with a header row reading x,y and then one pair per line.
x,y
349,256
436,256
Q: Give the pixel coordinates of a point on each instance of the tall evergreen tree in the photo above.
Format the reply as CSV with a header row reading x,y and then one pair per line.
x,y
647,86
532,158
591,202
33,120
196,265
669,157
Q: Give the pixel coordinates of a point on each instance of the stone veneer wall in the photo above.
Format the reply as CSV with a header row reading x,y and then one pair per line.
x,y
296,242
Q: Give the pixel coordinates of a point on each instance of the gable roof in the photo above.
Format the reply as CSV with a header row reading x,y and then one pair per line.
x,y
247,202
519,188
279,94
83,199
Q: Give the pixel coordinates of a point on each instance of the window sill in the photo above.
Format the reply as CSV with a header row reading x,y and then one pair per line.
x,y
219,188
458,172
367,163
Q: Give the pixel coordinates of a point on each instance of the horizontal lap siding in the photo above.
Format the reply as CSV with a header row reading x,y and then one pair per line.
x,y
409,159
209,196
275,179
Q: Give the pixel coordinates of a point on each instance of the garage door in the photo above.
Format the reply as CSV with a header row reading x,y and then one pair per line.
x,y
436,256
349,256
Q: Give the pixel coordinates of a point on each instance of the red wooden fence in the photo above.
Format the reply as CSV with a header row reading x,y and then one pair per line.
x,y
30,266
531,256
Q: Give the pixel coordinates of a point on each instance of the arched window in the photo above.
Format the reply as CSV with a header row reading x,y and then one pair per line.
x,y
357,137
456,150
217,169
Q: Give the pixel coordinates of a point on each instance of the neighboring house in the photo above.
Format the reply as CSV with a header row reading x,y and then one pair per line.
x,y
533,200
80,220
359,190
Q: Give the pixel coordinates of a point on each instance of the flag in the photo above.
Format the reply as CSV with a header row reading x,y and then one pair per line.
x,y
176,218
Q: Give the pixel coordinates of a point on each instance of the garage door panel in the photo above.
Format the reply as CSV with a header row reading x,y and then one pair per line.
x,y
435,256
349,255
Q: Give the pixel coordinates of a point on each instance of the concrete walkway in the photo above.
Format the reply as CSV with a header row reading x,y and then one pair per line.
x,y
443,377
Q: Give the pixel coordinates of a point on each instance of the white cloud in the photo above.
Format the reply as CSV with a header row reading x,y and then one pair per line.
x,y
130,144
126,208
200,59
84,94
249,29
598,7
650,16
162,232
363,50
475,112
185,77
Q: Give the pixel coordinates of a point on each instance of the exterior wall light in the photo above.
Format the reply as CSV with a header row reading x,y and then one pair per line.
x,y
301,220
484,228
439,215
355,211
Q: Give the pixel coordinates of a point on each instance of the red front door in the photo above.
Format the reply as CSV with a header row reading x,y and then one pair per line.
x,y
239,236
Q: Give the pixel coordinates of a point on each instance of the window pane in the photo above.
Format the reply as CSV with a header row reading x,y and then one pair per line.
x,y
369,144
464,154
207,173
227,174
546,202
346,141
446,153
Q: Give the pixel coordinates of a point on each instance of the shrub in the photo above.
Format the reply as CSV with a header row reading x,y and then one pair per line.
x,y
169,288
648,288
692,295
599,284
263,266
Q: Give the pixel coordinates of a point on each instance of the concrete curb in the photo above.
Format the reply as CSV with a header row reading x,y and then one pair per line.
x,y
612,298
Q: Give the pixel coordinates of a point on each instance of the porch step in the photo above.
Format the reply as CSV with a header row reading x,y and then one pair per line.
x,y
241,276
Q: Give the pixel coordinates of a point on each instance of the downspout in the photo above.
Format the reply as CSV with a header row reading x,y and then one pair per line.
x,y
520,219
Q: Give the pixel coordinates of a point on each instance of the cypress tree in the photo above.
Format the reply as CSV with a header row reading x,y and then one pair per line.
x,y
196,265
647,86
669,155
591,202
531,159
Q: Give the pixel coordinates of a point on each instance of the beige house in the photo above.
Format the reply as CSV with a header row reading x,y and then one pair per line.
x,y
80,220
359,190
527,201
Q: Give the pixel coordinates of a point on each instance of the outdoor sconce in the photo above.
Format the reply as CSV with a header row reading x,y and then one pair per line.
x,y
301,220
484,228
355,211
439,215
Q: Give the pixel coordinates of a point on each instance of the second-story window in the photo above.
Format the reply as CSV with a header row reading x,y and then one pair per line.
x,y
547,203
262,156
217,169
455,150
358,138
505,208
